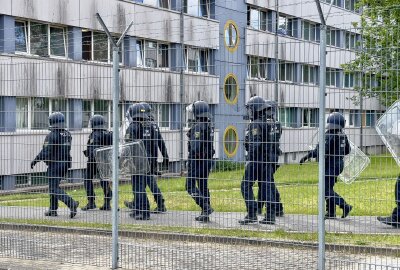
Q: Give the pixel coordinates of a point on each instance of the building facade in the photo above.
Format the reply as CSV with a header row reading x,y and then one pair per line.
x,y
55,56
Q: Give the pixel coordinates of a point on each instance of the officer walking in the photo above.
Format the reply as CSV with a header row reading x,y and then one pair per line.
x,y
274,133
257,144
201,152
336,147
155,143
98,138
137,130
56,154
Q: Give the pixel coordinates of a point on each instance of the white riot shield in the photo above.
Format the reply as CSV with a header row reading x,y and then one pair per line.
x,y
354,163
388,128
132,160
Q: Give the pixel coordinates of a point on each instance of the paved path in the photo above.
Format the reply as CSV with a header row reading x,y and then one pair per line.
x,y
225,220
47,250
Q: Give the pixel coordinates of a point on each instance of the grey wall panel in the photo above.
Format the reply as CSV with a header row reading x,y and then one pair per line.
x,y
149,22
259,43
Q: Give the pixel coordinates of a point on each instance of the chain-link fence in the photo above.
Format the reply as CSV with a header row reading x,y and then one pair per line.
x,y
219,111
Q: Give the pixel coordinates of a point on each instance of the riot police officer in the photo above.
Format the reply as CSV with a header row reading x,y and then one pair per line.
x,y
336,147
56,154
274,133
200,154
98,138
155,143
137,130
261,144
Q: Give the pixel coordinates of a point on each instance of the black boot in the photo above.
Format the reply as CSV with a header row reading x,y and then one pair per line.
x,y
130,205
269,217
160,208
74,209
390,221
51,213
91,205
249,218
346,210
205,214
106,206
279,210
260,206
330,209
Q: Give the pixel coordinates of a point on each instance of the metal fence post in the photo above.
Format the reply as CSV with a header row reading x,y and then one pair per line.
x,y
115,150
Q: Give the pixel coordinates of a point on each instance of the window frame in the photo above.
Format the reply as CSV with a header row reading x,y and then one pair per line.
x,y
204,69
143,53
109,48
198,7
65,41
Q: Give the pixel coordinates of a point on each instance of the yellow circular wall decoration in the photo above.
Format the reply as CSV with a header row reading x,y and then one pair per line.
x,y
231,36
231,89
231,141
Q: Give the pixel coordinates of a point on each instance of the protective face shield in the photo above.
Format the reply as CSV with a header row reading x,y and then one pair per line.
x,y
388,128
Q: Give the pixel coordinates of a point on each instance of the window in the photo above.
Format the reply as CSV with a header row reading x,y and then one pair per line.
x,y
285,26
288,117
333,37
351,41
161,114
231,36
38,39
350,5
286,72
354,118
231,141
22,113
40,113
231,89
253,69
152,54
309,74
351,80
21,34
310,31
257,19
97,47
102,107
197,7
58,41
196,59
86,112
310,117
331,75
369,118
163,4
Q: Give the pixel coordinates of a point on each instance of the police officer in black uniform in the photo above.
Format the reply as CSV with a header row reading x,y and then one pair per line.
x,y
274,133
155,144
56,154
336,147
200,154
98,138
137,130
258,168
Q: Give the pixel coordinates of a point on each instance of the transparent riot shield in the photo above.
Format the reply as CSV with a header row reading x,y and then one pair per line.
x,y
388,128
132,160
354,163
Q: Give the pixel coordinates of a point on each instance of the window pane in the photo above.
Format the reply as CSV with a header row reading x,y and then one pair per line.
x,y
204,60
282,27
151,54
20,37
57,42
204,8
86,45
40,113
163,3
22,113
306,74
230,89
86,112
289,72
263,68
263,20
254,18
164,115
306,30
282,72
230,141
100,47
59,105
313,31
139,53
231,36
38,39
150,2
192,7
193,59
253,67
163,56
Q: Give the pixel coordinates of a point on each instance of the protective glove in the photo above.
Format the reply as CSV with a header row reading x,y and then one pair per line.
x,y
85,153
33,163
303,159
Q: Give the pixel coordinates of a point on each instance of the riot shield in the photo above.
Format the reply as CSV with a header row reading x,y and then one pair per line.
x,y
388,128
132,160
354,163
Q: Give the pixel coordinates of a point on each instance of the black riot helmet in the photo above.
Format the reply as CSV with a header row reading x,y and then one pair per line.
x,y
136,112
256,107
56,120
148,109
272,107
97,122
199,110
335,121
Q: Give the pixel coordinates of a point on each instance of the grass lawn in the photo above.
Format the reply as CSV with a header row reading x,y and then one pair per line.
x,y
371,194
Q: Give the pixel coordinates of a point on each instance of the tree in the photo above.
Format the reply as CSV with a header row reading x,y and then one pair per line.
x,y
378,59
